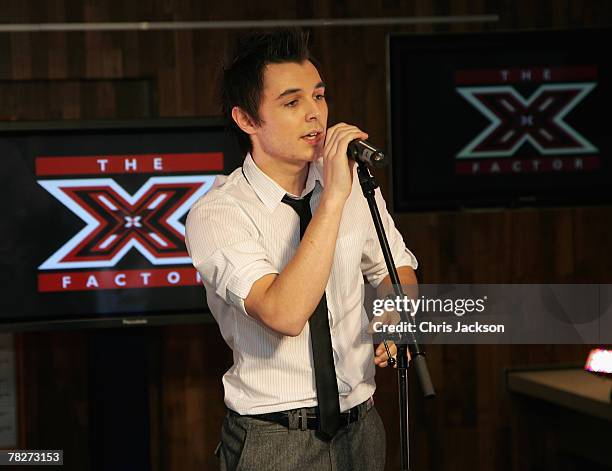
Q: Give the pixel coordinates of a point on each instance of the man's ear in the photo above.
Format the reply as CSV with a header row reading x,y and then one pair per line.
x,y
243,120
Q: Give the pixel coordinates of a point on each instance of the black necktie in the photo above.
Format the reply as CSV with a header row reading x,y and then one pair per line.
x,y
320,338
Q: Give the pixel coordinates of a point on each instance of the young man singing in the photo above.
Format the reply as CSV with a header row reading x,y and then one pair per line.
x,y
283,245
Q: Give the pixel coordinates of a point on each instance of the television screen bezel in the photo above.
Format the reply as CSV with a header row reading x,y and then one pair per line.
x,y
598,197
137,319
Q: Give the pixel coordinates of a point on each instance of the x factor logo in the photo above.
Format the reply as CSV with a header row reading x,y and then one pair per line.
x,y
116,222
538,120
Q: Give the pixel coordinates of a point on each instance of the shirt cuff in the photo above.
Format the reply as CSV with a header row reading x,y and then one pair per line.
x,y
407,259
241,282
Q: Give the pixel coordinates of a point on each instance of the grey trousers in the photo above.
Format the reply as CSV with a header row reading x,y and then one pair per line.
x,y
249,444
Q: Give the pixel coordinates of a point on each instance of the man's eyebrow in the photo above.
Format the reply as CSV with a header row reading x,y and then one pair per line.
x,y
290,91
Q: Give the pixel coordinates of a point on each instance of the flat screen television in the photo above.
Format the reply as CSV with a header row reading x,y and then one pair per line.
x,y
500,119
93,230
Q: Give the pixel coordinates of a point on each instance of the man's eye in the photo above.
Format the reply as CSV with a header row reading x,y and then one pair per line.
x,y
292,103
320,97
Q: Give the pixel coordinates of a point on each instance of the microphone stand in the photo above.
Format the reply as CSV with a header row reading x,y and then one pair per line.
x,y
368,185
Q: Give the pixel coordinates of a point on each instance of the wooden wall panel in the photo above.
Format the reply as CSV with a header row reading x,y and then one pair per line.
x,y
167,73
53,392
193,359
35,100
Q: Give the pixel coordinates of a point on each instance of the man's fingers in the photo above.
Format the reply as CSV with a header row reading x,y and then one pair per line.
x,y
332,136
346,137
339,135
381,356
342,140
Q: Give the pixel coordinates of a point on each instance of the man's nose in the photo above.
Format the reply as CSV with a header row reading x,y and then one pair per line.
x,y
314,111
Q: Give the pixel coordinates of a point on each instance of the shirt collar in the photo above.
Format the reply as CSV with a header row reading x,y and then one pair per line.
x,y
271,193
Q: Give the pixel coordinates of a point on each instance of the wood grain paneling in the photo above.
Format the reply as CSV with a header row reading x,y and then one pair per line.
x,y
36,100
53,395
166,73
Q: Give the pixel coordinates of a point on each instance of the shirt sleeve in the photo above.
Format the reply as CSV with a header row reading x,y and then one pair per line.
x,y
373,264
224,247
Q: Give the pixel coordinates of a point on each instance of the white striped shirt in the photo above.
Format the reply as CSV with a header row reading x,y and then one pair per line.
x,y
240,231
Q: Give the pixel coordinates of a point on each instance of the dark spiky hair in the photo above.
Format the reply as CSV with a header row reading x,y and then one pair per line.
x,y
243,76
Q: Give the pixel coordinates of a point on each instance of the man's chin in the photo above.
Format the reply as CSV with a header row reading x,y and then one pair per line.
x,y
317,153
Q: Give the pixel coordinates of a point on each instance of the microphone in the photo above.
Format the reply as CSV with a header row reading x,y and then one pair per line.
x,y
363,151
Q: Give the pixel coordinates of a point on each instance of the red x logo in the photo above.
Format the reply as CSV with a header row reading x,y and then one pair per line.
x,y
515,120
116,221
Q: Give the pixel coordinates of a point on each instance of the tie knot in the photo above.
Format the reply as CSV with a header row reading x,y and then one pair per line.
x,y
300,205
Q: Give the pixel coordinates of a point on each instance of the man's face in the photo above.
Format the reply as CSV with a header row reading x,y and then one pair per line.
x,y
293,113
